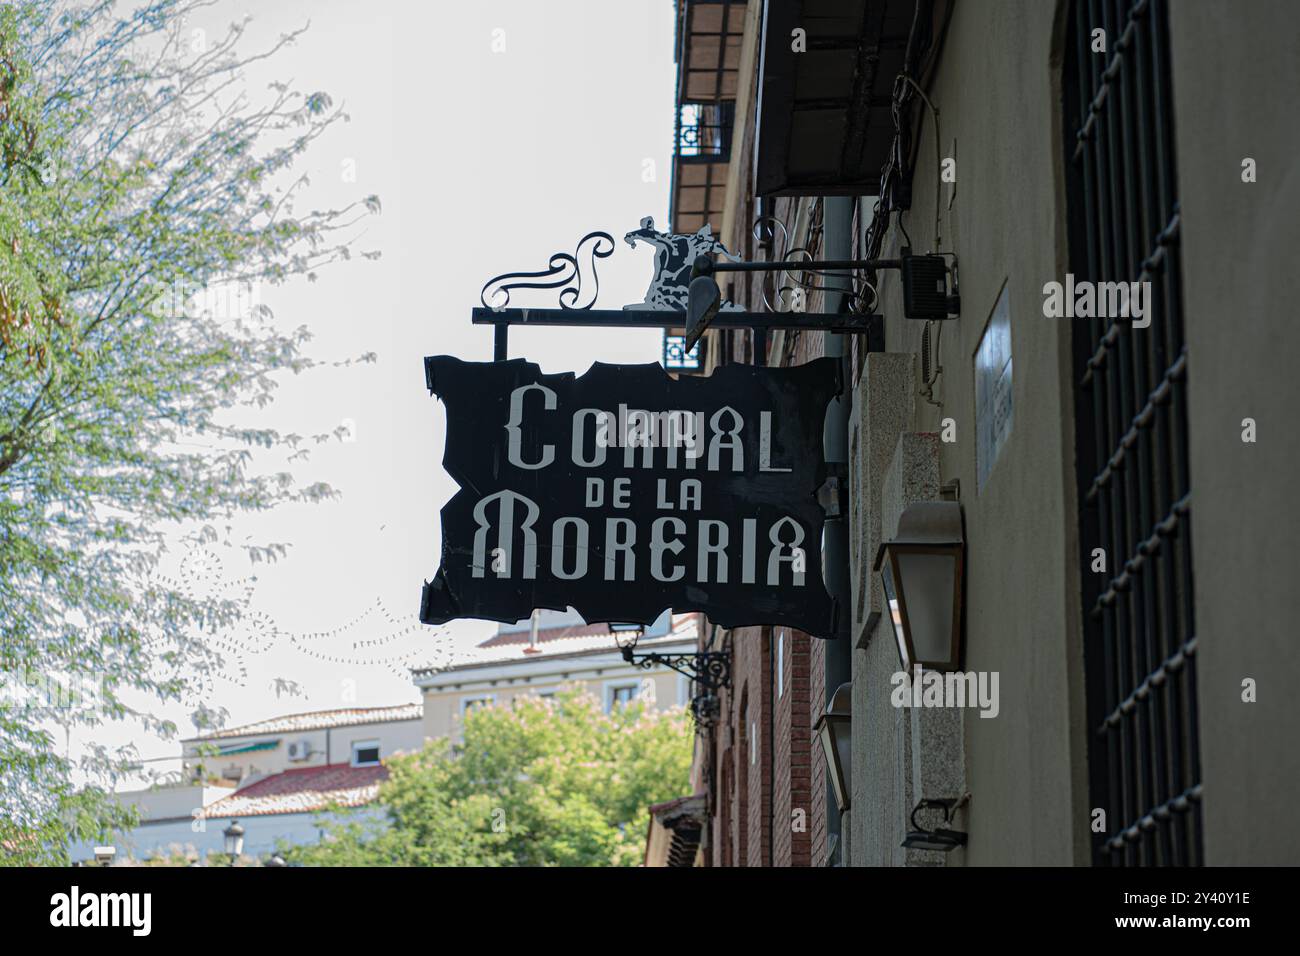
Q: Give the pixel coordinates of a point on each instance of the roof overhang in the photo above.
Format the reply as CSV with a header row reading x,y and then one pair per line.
x,y
229,749
676,827
824,125
545,664
709,35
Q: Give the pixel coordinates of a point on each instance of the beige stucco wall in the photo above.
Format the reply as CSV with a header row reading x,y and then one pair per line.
x,y
1235,71
997,91
394,737
444,705
168,803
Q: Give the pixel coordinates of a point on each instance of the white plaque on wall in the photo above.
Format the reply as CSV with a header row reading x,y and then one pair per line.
x,y
993,389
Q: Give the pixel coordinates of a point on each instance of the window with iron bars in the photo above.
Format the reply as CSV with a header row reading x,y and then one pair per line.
x,y
1131,440
704,130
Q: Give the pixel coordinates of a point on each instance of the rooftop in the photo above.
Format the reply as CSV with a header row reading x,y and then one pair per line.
x,y
320,720
508,646
302,790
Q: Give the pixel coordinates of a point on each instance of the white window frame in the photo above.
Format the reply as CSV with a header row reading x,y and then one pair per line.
x,y
364,744
470,699
612,685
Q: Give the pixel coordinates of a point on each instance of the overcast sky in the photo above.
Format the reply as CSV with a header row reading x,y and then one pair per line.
x,y
485,162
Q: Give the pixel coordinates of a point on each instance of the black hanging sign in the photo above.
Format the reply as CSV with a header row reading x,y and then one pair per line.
x,y
623,491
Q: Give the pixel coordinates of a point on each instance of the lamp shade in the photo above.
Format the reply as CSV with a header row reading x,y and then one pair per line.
x,y
921,576
834,730
938,841
626,636
234,835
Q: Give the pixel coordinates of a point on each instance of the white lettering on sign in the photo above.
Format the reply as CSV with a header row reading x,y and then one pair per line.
x,y
784,561
505,534
659,544
680,433
507,519
623,491
717,445
516,419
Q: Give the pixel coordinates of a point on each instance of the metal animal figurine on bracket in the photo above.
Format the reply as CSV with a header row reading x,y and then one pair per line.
x,y
675,253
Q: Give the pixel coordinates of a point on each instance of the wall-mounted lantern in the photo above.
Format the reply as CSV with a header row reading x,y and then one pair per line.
x,y
833,729
710,670
940,839
706,708
921,573
626,635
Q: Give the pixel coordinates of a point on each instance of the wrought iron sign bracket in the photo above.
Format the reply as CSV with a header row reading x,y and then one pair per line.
x,y
846,323
929,284
928,293
668,303
709,669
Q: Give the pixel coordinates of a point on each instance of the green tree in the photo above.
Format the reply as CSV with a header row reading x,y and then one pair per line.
x,y
135,170
544,782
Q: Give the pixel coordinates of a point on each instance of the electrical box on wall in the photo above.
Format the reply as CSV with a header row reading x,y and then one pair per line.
x,y
926,294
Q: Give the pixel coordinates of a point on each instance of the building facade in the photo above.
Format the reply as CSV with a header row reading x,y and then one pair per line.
x,y
561,651
1119,473
283,779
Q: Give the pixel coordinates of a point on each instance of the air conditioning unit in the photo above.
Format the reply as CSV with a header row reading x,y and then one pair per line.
x,y
299,750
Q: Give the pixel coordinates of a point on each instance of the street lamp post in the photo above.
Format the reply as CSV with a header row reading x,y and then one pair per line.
x,y
234,835
104,855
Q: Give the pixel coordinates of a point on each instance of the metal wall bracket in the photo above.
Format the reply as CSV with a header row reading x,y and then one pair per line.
x,y
709,669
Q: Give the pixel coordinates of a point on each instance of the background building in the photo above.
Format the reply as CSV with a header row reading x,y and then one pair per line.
x,y
277,777
561,650
274,776
1015,138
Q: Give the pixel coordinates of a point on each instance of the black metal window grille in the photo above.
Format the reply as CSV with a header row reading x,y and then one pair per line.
x,y
1131,440
704,130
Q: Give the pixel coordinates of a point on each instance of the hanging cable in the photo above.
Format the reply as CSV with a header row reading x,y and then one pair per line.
x,y
938,158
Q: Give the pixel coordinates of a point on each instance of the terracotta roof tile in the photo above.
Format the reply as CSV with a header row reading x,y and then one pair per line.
x,y
571,639
319,720
546,634
302,790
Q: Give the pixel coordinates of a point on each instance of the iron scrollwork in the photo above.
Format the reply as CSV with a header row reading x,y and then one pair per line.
x,y
705,711
565,272
708,669
862,294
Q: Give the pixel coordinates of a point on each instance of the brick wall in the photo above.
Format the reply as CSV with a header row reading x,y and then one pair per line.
x,y
761,782
751,675
817,776
810,347
791,810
